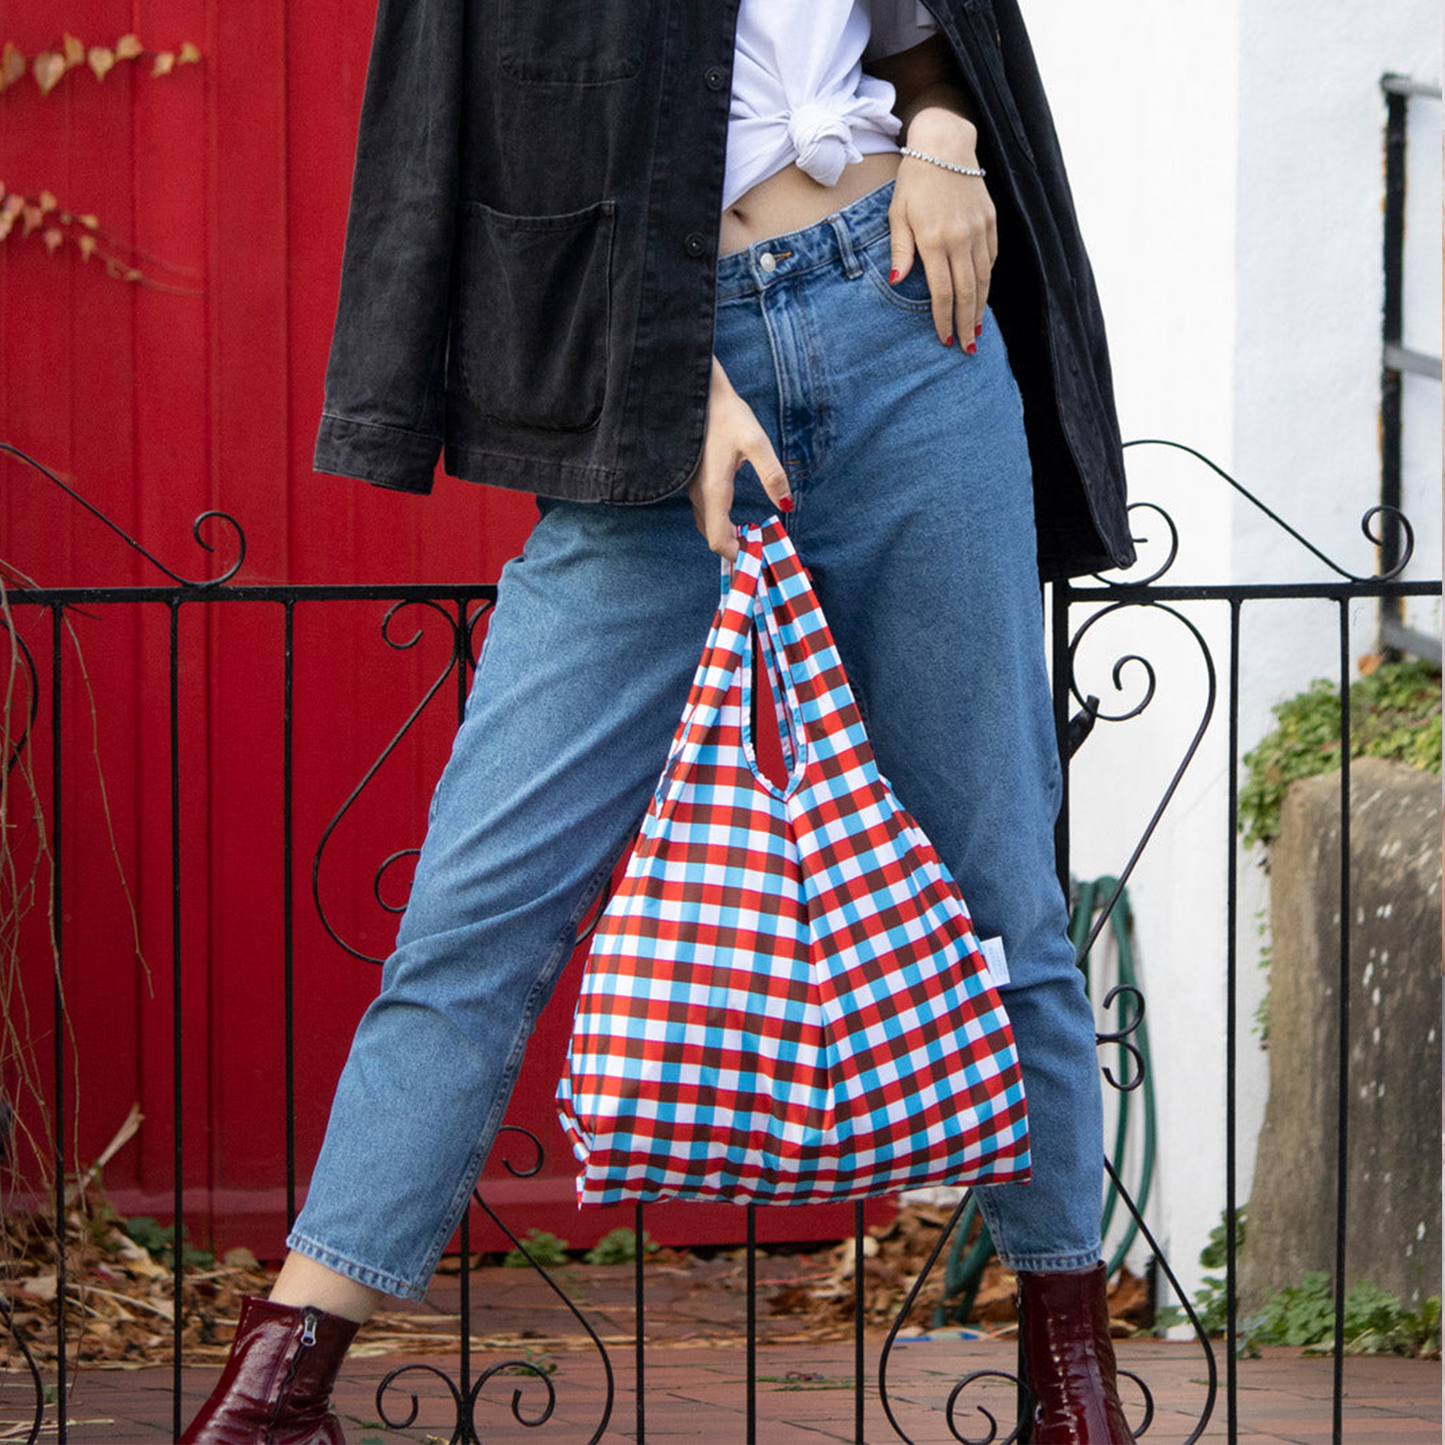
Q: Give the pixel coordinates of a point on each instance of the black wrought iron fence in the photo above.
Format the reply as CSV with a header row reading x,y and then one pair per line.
x,y
1077,711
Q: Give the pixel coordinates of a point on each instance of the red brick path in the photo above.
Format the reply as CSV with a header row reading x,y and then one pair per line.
x,y
696,1379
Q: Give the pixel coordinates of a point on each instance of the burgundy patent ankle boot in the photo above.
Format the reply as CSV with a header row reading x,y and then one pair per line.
x,y
1069,1358
277,1381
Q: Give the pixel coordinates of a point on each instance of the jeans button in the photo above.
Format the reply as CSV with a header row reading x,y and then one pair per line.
x,y
767,261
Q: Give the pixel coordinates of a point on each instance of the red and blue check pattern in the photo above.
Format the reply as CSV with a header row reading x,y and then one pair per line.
x,y
784,999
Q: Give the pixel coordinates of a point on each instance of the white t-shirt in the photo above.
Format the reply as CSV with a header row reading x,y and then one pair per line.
x,y
799,91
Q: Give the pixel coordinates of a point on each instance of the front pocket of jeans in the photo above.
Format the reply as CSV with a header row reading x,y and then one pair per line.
x,y
911,292
533,313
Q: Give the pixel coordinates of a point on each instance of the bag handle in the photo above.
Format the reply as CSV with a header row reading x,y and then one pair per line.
x,y
778,670
766,583
716,675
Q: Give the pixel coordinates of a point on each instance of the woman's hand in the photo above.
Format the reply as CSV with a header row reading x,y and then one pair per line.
x,y
733,436
947,221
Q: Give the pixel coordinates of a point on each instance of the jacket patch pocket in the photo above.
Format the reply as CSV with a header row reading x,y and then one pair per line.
x,y
533,312
572,42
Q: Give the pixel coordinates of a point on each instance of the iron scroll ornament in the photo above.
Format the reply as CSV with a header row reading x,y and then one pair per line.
x,y
1379,513
957,1393
466,1397
462,632
1371,528
975,1377
227,521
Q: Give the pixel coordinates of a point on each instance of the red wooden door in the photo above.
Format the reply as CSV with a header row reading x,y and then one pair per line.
x,y
224,184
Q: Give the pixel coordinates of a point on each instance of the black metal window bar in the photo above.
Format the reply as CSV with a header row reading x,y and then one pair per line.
x,y
1398,361
1077,711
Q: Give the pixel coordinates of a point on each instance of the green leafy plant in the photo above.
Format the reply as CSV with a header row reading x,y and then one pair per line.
x,y
544,1248
1375,1320
1211,1301
531,1363
1394,714
619,1247
160,1242
1259,1026
1297,1315
1303,1315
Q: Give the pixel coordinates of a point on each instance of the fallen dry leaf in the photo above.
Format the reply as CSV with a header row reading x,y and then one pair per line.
x,y
40,1286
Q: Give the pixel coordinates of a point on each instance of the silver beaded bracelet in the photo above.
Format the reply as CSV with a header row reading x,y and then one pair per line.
x,y
948,165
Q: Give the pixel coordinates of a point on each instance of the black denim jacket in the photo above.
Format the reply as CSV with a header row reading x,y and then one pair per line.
x,y
528,278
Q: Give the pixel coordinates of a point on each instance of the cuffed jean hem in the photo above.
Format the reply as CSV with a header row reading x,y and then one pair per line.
x,y
1048,1263
361,1273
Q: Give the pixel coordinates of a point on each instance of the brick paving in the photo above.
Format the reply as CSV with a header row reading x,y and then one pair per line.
x,y
696,1378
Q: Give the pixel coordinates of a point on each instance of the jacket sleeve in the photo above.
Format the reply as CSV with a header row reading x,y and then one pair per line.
x,y
383,406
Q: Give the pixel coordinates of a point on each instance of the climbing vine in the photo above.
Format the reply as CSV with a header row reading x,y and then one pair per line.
x,y
22,214
49,67
58,225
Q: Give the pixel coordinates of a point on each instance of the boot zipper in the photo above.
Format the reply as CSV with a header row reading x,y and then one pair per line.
x,y
308,1338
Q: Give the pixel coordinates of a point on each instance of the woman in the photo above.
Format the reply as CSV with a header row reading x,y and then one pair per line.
x,y
858,382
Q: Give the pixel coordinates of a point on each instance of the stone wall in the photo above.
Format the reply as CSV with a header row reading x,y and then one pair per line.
x,y
1393,1216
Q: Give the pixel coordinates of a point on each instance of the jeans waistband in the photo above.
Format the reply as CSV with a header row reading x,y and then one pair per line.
x,y
834,239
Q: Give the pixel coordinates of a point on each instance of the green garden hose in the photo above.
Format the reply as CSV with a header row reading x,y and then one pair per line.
x,y
965,1264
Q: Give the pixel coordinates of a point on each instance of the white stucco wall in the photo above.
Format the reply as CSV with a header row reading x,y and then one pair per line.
x,y
1226,164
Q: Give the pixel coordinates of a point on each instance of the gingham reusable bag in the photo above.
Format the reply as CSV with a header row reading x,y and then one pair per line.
x,y
784,998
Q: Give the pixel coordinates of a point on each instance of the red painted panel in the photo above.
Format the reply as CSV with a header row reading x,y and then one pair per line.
x,y
201,389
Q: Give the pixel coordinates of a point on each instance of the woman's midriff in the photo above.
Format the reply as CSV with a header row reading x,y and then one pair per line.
x,y
790,199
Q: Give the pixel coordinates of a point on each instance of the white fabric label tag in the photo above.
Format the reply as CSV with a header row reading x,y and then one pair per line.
x,y
997,960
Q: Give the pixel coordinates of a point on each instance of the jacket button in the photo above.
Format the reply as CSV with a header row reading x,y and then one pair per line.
x,y
696,244
716,77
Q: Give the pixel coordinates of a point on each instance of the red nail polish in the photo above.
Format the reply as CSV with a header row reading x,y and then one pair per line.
x,y
971,349
978,330
893,275
786,504
948,340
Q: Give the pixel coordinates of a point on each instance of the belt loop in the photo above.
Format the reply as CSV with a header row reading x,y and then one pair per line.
x,y
852,266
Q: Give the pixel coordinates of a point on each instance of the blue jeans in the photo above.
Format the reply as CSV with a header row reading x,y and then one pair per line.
x,y
914,516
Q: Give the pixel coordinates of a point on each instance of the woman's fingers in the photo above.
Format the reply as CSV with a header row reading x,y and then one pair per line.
x,y
733,435
771,472
711,494
965,294
982,271
957,268
945,222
